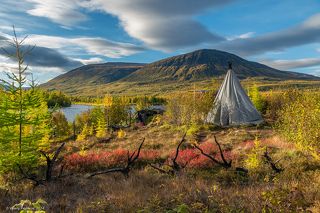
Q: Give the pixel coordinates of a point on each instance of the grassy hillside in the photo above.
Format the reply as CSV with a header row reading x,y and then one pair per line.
x,y
91,75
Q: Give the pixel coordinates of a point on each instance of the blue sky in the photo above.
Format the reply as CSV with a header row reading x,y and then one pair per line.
x,y
71,33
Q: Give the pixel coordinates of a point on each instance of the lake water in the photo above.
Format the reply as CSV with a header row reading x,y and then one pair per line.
x,y
75,109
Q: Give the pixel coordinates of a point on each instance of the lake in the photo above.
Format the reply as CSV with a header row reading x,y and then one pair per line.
x,y
74,110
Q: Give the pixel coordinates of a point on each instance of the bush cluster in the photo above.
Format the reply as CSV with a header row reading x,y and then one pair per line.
x,y
299,121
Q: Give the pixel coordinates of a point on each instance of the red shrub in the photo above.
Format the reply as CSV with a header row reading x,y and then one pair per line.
x,y
194,159
208,147
186,156
248,144
150,155
190,157
201,162
117,157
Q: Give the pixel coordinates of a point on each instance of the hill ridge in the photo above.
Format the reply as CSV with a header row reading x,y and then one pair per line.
x,y
199,65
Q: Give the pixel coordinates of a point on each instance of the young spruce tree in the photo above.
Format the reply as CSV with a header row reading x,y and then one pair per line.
x,y
24,114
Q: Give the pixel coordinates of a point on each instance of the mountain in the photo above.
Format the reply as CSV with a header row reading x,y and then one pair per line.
x,y
93,74
205,64
165,75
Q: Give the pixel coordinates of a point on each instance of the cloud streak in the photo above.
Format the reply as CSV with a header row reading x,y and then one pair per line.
x,y
304,33
241,36
55,51
91,45
292,64
44,57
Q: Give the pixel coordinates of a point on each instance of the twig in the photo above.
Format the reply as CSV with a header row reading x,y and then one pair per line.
x,y
271,163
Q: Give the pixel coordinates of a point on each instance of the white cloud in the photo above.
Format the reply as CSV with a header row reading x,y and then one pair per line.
x,y
6,65
170,25
292,64
10,29
40,73
94,60
54,55
313,22
91,45
305,33
164,25
241,36
62,12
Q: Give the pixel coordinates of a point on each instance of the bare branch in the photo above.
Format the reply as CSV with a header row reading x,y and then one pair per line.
x,y
224,162
22,40
33,178
208,156
56,154
178,147
271,163
175,167
159,169
220,150
124,170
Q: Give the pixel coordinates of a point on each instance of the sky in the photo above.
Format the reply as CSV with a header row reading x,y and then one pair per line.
x,y
70,33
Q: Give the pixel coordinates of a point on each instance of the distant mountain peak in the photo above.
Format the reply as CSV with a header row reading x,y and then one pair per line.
x,y
198,65
204,64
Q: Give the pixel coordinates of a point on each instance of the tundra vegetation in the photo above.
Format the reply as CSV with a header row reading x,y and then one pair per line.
x,y
106,161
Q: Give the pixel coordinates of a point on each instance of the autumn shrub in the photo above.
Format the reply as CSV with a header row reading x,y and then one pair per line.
x,y
106,159
60,125
192,158
254,157
91,122
299,122
121,133
101,128
284,199
187,108
257,99
117,110
276,101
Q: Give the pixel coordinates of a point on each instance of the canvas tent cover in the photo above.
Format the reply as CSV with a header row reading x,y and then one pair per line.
x,y
232,106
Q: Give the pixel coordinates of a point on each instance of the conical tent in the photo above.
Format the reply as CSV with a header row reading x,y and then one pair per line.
x,y
232,106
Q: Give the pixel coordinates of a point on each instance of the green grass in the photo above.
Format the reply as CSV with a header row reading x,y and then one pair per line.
x,y
163,88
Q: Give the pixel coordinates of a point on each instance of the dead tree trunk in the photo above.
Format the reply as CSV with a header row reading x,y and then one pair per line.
x,y
49,169
51,162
